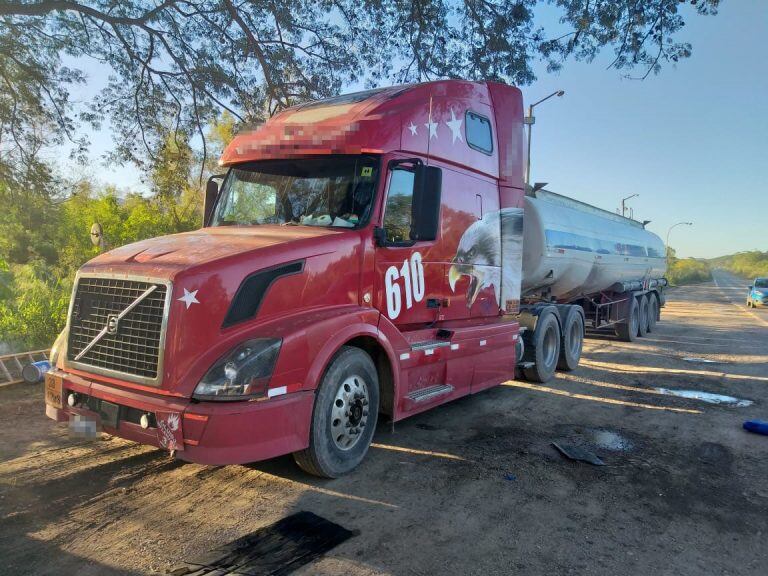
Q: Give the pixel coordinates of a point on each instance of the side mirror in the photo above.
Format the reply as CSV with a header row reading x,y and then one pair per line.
x,y
211,192
425,211
750,287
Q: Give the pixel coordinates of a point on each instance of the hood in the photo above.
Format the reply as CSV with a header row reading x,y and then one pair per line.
x,y
168,255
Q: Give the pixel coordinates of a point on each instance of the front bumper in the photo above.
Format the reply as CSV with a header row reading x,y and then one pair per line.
x,y
214,433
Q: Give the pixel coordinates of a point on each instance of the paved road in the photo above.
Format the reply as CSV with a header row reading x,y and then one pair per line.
x,y
734,288
474,487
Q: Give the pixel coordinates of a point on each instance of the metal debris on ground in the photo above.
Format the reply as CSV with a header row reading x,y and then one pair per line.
x,y
578,454
706,397
277,549
756,426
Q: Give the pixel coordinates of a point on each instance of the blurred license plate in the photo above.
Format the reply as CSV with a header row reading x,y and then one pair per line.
x,y
83,426
53,390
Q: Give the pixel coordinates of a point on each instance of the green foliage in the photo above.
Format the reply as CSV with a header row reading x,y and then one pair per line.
x,y
686,270
35,292
748,264
35,310
180,63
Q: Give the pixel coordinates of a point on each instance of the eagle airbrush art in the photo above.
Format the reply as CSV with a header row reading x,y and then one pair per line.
x,y
497,237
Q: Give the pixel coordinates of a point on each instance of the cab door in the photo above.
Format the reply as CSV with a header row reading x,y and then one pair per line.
x,y
409,276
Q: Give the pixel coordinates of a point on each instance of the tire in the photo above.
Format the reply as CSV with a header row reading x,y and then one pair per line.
x,y
653,311
642,327
627,330
572,340
545,349
346,401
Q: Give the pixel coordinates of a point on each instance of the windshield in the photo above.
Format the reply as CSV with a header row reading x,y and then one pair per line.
x,y
329,191
761,283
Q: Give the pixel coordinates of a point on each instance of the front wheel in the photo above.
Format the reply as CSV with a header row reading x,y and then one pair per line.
x,y
344,416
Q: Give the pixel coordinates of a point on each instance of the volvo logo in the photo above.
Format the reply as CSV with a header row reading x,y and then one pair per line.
x,y
113,321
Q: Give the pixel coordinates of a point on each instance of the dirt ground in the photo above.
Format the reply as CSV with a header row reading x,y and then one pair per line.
x,y
474,487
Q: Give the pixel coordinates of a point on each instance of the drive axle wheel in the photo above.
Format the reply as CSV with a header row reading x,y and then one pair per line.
x,y
573,340
344,416
545,344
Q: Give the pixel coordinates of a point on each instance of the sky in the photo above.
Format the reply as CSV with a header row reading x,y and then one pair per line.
x,y
692,141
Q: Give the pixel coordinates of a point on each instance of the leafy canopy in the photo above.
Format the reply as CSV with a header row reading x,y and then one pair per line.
x,y
176,64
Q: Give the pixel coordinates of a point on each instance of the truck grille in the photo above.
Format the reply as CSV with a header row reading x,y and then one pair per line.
x,y
132,345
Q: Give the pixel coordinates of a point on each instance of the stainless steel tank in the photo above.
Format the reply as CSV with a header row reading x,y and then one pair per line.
x,y
571,248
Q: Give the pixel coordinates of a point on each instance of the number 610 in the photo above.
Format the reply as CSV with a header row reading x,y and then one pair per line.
x,y
412,273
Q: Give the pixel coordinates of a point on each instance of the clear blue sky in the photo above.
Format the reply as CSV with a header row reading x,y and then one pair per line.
x,y
692,141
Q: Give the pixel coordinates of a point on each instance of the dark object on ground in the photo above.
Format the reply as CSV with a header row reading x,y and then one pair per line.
x,y
277,549
579,454
510,477
756,426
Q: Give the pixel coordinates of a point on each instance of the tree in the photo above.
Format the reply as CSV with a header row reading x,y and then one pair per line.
x,y
179,63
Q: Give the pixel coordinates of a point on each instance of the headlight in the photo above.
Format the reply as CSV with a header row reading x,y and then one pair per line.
x,y
59,348
241,374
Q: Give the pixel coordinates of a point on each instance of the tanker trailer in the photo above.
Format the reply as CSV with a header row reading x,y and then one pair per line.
x,y
583,268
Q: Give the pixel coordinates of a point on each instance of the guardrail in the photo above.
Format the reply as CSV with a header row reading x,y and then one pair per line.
x,y
11,365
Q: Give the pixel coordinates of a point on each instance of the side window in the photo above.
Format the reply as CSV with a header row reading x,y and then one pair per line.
x,y
398,210
478,130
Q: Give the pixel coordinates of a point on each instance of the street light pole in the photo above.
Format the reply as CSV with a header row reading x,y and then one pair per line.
x,y
670,230
530,120
623,200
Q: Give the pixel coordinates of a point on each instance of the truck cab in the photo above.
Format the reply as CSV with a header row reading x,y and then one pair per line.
x,y
361,257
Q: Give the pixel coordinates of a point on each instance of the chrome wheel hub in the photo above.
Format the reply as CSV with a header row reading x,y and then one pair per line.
x,y
349,414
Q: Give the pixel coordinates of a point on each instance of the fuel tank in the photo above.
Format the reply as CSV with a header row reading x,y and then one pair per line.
x,y
572,249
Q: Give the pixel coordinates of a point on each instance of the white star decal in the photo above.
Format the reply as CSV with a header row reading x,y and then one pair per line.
x,y
432,127
412,128
455,125
189,298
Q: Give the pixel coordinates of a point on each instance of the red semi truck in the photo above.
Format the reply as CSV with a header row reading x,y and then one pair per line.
x,y
363,255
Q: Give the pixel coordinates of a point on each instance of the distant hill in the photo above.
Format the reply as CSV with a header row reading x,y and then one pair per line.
x,y
747,264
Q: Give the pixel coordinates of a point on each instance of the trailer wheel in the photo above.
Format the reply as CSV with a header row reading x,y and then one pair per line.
x,y
627,330
573,340
546,349
642,327
344,416
653,311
